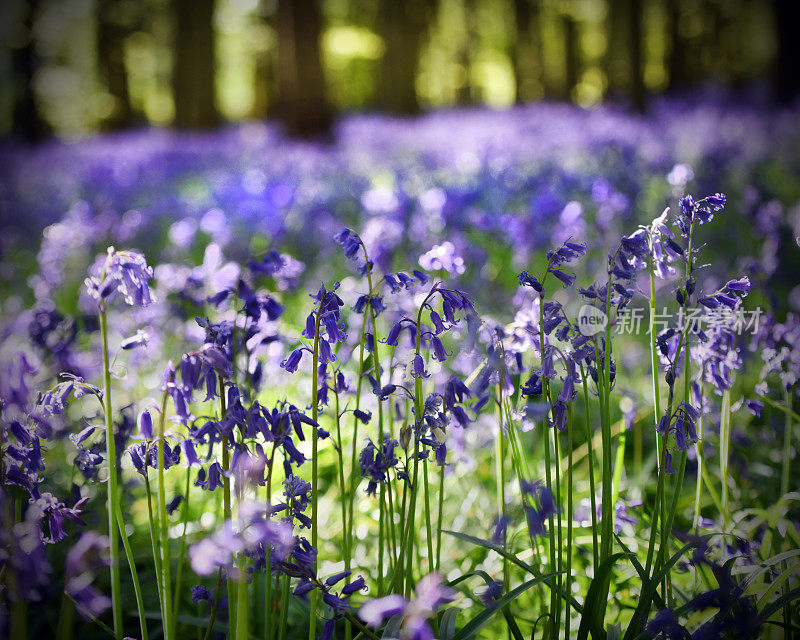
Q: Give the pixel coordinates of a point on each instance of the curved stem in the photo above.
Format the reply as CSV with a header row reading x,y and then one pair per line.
x,y
113,496
312,614
164,525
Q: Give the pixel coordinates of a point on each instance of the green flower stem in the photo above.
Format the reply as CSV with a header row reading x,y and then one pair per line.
x,y
428,527
242,601
214,606
619,465
787,443
660,444
285,608
313,596
354,475
154,542
555,605
342,492
408,544
226,494
182,552
590,455
113,496
439,518
724,454
568,587
500,471
607,525
268,627
381,543
785,409
163,517
137,588
667,524
700,464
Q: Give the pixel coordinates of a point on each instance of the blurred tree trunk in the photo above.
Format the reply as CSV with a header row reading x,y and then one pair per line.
x,y
465,92
264,78
635,60
527,51
27,121
402,25
301,80
111,33
677,60
624,59
194,64
616,59
787,62
571,55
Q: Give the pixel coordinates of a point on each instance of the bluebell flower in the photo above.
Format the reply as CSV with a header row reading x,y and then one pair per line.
x,y
566,278
527,280
139,339
559,413
125,272
439,352
291,363
200,594
146,425
173,504
418,367
755,406
491,593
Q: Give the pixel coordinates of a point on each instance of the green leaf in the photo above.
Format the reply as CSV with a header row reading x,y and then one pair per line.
x,y
775,585
513,558
392,628
770,609
447,625
475,625
639,569
594,610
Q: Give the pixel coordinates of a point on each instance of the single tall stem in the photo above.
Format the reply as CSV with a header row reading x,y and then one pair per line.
x,y
182,552
312,614
164,525
590,455
787,443
111,485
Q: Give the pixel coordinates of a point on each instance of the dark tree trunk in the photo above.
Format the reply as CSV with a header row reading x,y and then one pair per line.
x,y
28,123
402,25
527,51
635,61
677,69
465,93
194,65
787,67
264,78
301,80
616,60
624,60
571,61
112,30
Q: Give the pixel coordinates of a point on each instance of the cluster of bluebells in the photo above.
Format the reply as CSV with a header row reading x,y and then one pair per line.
x,y
552,328
779,346
123,272
324,325
255,436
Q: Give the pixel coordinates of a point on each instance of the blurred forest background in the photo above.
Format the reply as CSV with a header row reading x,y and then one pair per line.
x,y
70,67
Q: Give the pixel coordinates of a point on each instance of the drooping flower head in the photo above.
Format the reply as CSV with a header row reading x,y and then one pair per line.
x,y
123,272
